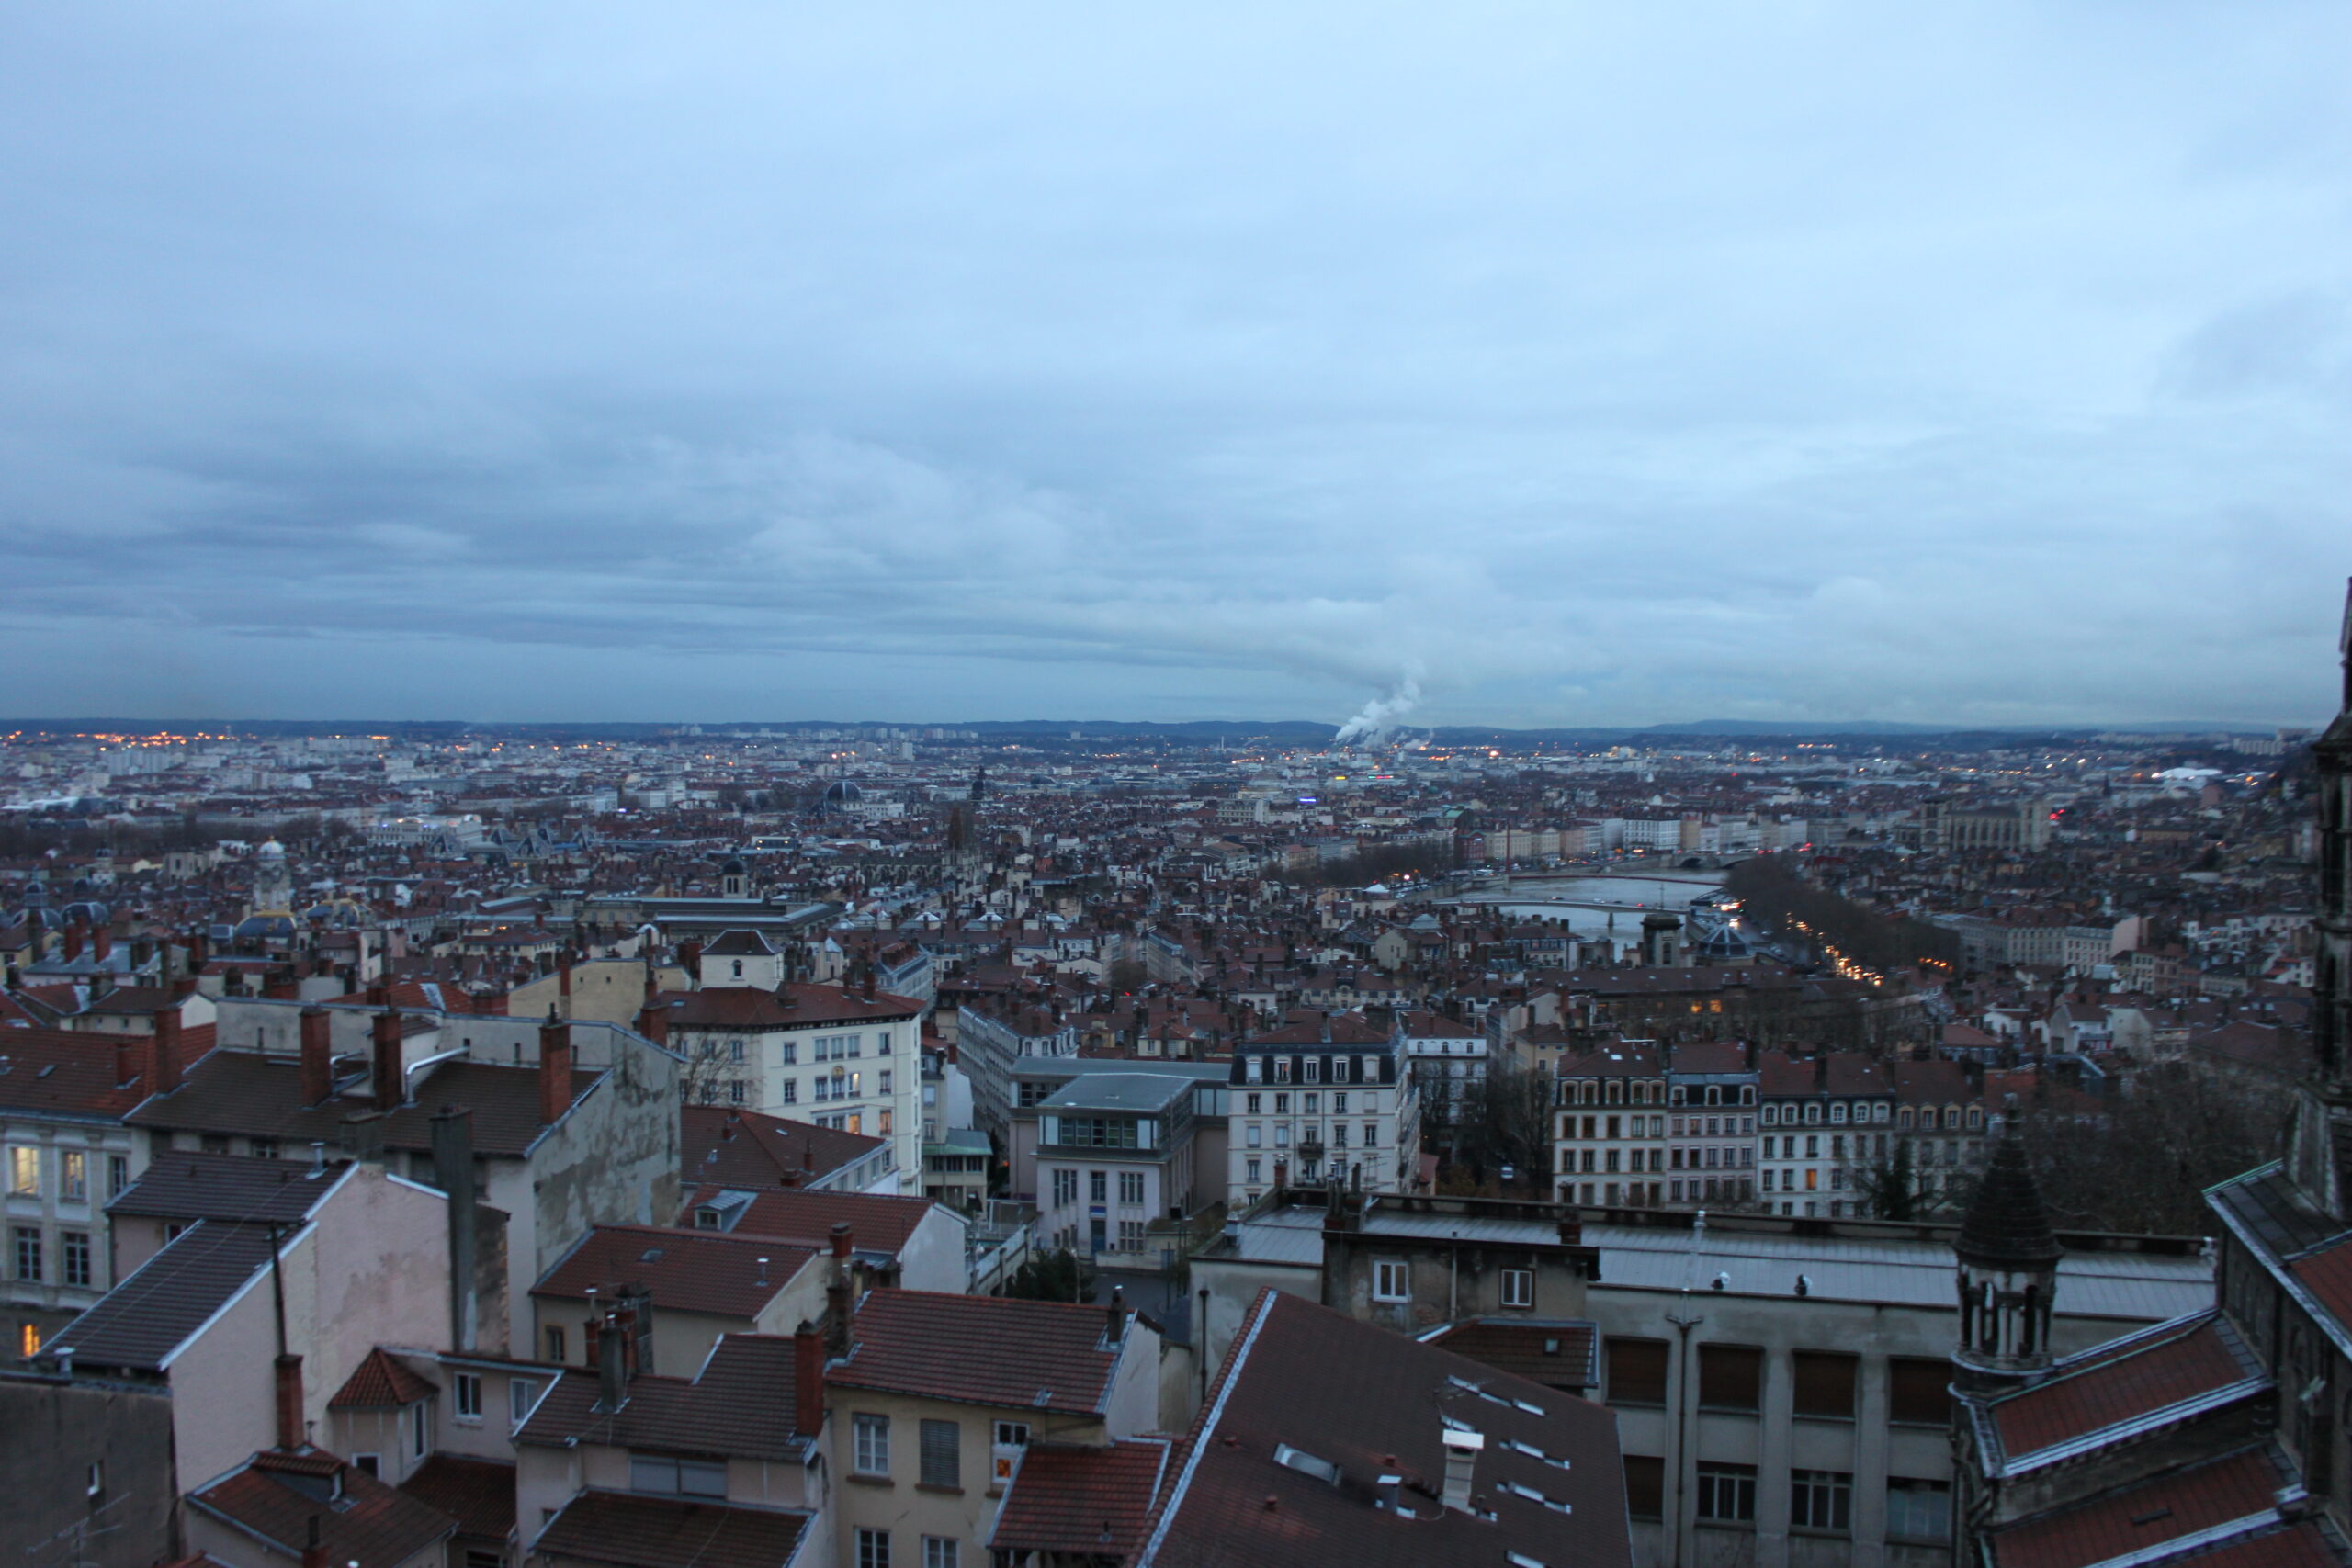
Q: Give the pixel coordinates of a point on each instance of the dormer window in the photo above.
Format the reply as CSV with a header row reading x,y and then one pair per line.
x,y
1837,1113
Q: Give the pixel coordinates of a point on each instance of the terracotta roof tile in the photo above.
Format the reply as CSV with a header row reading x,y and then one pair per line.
x,y
379,1382
181,1186
277,1500
146,1317
877,1221
2327,1274
654,1532
1556,1353
687,1271
989,1350
2170,1506
2110,1391
478,1494
745,1149
1081,1499
740,1402
243,1092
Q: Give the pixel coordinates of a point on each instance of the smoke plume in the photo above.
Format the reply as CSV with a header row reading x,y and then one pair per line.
x,y
1377,717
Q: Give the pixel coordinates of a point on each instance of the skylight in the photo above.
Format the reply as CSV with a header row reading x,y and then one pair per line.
x,y
1323,1469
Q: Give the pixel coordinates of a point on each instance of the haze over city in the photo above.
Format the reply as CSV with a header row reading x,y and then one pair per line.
x,y
1512,365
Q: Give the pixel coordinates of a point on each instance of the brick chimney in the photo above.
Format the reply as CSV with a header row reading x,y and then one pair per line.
x,y
555,1069
807,1379
163,1051
101,942
126,1060
384,1058
318,1057
290,1403
612,1367
653,1021
563,980
72,942
315,1548
453,1172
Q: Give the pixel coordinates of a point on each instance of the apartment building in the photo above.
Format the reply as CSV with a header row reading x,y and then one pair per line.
x,y
1322,1095
1824,1119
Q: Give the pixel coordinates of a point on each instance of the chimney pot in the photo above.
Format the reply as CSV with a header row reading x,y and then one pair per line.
x,y
555,1069
290,1402
318,1056
807,1379
163,1051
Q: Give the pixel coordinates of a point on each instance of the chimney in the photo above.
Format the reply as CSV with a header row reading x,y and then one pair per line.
x,y
315,1548
869,985
1820,1071
384,1061
837,1294
290,1403
163,1051
612,1367
101,942
1461,1461
72,942
1113,1330
564,981
363,1136
126,1059
555,1069
318,1057
453,1172
807,1379
1572,1231
653,1021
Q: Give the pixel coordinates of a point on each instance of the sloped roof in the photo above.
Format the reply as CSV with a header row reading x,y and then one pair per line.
x,y
2136,1518
243,1092
63,1072
655,1533
1556,1352
144,1319
477,1494
383,1527
1081,1498
739,1403
2159,1371
992,1350
877,1221
1368,1403
745,1149
2007,1223
379,1382
684,1270
181,1186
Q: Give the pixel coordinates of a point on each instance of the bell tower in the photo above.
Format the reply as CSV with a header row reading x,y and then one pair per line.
x,y
2008,1272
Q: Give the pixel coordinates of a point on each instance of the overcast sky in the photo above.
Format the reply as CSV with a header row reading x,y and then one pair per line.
x,y
1577,365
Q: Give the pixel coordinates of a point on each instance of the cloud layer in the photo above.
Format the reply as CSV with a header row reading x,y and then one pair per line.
x,y
1584,364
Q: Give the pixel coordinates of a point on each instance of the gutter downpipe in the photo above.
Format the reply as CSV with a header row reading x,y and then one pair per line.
x,y
1685,1493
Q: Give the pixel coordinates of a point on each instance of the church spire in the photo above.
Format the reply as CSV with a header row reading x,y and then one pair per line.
x,y
2008,1273
2323,1135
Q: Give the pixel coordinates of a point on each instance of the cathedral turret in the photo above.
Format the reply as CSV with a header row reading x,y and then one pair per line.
x,y
2322,1144
2008,1272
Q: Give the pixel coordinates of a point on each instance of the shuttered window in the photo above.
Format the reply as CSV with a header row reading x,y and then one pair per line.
x,y
1825,1384
1645,1488
1731,1377
941,1462
1918,1391
1637,1371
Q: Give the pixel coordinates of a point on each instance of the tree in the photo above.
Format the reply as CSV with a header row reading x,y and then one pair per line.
x,y
1505,1119
1060,1275
1889,1191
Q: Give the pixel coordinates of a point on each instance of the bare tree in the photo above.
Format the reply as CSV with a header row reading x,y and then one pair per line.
x,y
1505,1119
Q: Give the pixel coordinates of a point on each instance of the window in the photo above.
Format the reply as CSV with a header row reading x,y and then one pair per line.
x,y
469,1387
1645,1488
1371,1133
1282,1069
368,1464
555,1345
117,1174
1098,1186
788,1053
942,1551
73,1254
1131,1186
1727,1493
1731,1377
1388,1280
1339,1104
213,1142
1918,1391
1825,1384
1821,1500
73,1176
28,1341
1636,1371
872,1547
676,1477
1519,1287
27,1252
521,1395
884,1086
791,1095
1006,1440
1918,1510
873,1447
1250,1103
420,1428
1250,1168
24,1170
942,1456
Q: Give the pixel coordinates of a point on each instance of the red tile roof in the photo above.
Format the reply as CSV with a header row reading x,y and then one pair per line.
x,y
478,1494
792,1005
2175,1504
740,1402
379,1382
654,1532
267,1497
2117,1389
60,1072
2305,1545
684,1270
1557,1354
243,1092
2327,1274
743,1148
989,1350
1081,1499
878,1223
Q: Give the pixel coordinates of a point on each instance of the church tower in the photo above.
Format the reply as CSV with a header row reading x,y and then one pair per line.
x,y
2008,1272
2320,1160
